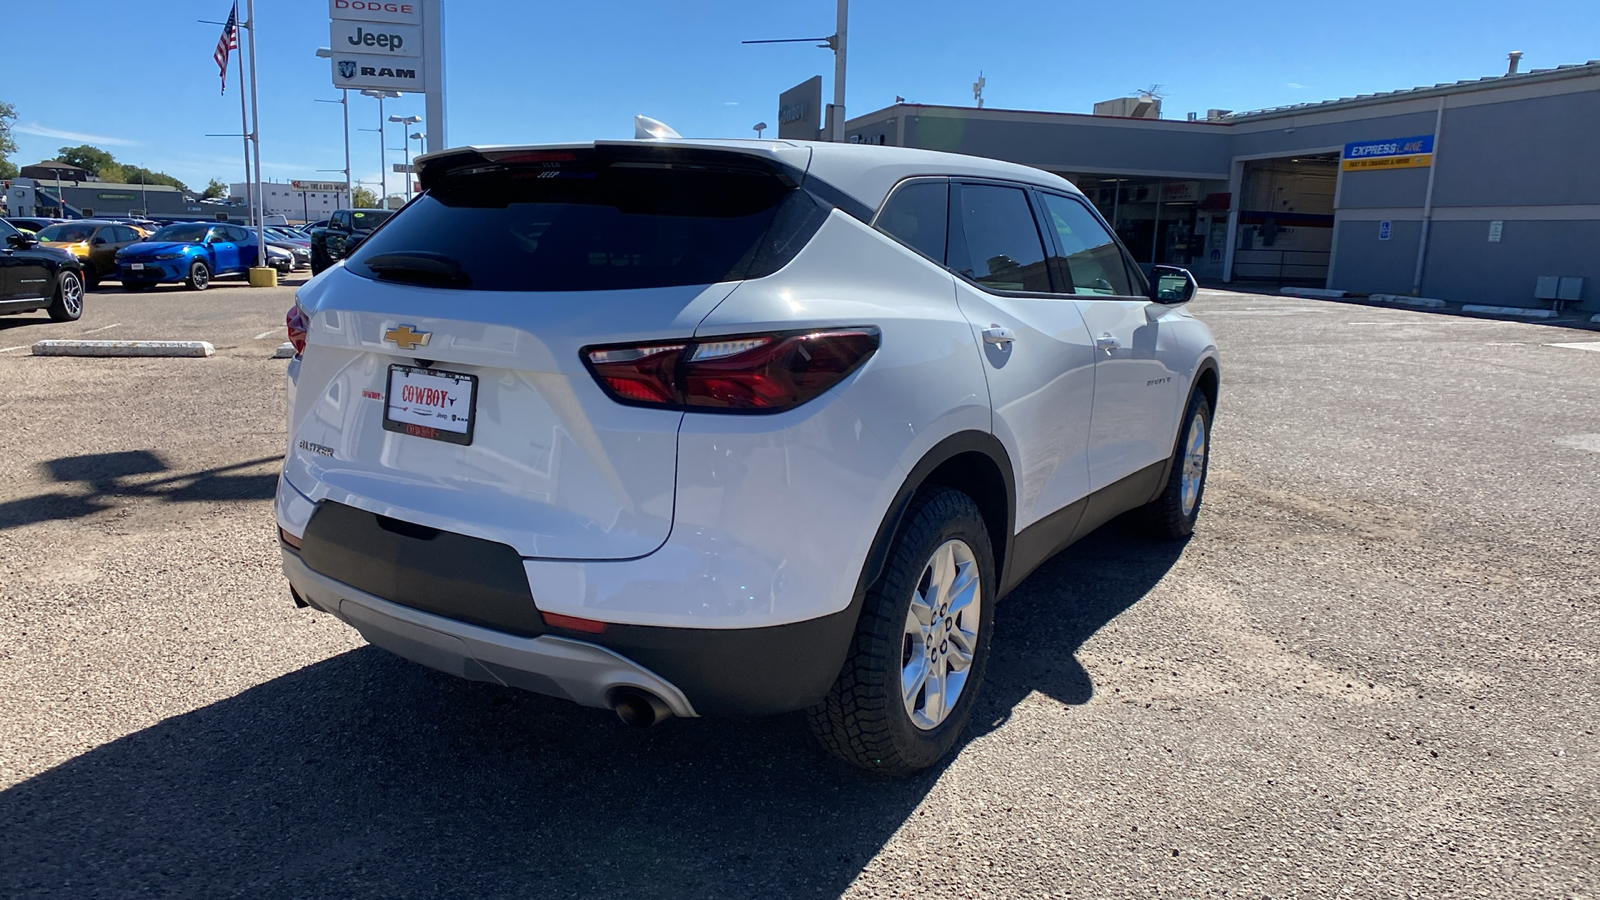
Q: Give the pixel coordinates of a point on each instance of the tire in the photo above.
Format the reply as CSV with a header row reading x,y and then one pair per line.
x,y
865,719
1171,516
68,303
319,261
199,276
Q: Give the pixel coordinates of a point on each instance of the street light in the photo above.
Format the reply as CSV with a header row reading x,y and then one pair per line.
x,y
344,101
758,128
383,150
405,120
836,43
422,142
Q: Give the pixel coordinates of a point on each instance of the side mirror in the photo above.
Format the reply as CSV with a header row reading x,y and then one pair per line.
x,y
98,240
1172,286
354,241
20,241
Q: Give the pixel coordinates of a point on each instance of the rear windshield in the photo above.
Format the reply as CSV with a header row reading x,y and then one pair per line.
x,y
589,223
365,218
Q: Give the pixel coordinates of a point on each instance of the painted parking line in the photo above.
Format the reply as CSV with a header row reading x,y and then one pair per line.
x,y
1580,345
104,328
266,334
17,347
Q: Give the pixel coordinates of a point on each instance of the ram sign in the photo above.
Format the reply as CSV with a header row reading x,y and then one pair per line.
x,y
381,73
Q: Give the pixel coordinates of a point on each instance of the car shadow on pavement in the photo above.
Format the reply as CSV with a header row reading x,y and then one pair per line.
x,y
364,775
105,477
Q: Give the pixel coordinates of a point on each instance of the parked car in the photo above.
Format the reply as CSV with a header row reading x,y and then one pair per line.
x,y
280,259
95,242
37,277
31,223
704,428
345,227
293,243
191,252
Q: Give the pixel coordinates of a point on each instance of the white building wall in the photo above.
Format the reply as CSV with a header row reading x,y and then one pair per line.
x,y
283,200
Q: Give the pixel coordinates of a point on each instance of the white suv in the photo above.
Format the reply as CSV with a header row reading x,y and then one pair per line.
x,y
730,427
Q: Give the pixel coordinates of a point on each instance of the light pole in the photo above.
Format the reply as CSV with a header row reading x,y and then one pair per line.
x,y
383,149
407,120
343,101
422,142
836,43
758,128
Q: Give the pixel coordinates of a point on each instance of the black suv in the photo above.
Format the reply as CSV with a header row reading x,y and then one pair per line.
x,y
34,277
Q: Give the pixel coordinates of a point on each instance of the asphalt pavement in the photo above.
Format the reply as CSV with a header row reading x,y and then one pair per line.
x,y
1371,673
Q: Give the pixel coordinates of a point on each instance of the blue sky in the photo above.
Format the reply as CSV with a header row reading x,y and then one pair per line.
x,y
137,78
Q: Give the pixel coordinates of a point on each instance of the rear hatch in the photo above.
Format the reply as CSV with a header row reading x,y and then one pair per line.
x,y
443,381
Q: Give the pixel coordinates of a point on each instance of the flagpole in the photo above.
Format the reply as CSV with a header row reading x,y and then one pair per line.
x,y
255,115
244,123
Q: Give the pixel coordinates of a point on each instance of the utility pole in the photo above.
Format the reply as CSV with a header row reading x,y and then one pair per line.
x,y
833,127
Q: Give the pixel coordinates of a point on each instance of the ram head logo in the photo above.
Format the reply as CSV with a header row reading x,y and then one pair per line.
x,y
347,68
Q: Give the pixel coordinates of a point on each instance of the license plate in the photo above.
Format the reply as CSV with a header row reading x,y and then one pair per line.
x,y
425,403
137,267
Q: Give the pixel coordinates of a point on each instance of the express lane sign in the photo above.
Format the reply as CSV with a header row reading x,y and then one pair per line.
x,y
1389,153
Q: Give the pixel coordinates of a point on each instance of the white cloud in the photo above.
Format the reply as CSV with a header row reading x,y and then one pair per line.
x,y
38,130
1295,86
730,103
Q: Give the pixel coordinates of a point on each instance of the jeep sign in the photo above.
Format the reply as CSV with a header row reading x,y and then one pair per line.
x,y
376,38
381,73
396,11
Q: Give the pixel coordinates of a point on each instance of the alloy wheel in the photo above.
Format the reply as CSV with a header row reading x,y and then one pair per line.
x,y
72,295
941,634
1194,463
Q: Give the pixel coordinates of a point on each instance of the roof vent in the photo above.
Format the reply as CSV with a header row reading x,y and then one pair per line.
x,y
1145,105
1213,115
1515,57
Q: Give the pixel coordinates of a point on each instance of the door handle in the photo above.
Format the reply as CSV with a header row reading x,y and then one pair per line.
x,y
998,334
1107,343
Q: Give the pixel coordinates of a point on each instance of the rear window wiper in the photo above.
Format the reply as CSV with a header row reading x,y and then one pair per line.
x,y
417,266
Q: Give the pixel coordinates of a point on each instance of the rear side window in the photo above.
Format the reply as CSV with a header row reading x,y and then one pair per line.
x,y
591,223
918,214
994,240
1089,254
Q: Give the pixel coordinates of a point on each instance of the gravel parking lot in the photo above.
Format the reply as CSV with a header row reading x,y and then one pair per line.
x,y
1372,672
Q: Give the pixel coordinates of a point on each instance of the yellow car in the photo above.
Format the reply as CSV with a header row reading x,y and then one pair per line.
x,y
95,242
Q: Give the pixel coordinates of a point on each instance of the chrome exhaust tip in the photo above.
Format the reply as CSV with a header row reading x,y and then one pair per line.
x,y
638,708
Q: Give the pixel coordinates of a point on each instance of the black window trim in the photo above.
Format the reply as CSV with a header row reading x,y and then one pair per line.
x,y
1136,279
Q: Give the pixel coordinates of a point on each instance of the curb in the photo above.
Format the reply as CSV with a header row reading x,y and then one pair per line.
x,y
284,351
1404,300
123,348
1519,311
1314,293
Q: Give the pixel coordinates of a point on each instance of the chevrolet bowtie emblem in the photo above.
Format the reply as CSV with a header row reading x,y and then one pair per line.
x,y
407,339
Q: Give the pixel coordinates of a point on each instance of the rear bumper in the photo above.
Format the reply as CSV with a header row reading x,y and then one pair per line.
x,y
582,672
463,605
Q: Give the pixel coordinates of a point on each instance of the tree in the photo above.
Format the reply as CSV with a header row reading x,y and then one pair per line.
x,y
141,175
364,198
8,169
99,162
215,190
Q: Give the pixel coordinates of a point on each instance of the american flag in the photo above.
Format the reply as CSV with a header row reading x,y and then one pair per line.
x,y
227,44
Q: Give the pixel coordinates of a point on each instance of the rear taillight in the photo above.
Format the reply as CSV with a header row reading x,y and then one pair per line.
x,y
737,373
295,321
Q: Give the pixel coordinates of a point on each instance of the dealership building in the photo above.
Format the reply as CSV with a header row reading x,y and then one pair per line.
x,y
1481,191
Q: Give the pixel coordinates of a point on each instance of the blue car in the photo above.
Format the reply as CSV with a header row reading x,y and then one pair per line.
x,y
190,252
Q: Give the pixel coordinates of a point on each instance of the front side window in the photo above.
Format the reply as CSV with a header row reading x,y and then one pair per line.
x,y
918,214
1090,257
994,240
